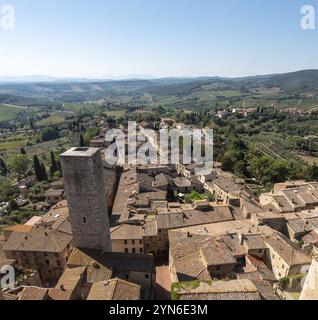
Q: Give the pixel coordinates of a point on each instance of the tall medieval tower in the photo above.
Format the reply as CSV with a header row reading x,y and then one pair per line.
x,y
86,196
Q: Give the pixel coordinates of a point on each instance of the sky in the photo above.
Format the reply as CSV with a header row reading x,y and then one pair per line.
x,y
103,38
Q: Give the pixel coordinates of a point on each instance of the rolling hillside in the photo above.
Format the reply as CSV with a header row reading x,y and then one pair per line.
x,y
296,89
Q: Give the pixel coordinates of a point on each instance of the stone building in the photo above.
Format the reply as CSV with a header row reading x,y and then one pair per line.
x,y
293,197
53,196
156,239
127,238
225,190
136,268
310,289
43,249
284,256
86,196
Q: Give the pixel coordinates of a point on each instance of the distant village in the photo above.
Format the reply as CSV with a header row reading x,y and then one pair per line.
x,y
161,232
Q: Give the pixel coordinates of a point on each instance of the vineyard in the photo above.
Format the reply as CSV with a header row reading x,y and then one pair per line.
x,y
274,147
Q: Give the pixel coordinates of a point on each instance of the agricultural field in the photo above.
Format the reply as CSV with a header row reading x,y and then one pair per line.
x,y
9,145
312,160
116,113
74,107
8,112
274,146
53,119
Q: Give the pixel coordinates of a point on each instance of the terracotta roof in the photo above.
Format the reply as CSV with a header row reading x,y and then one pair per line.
x,y
254,241
118,262
287,250
96,272
266,290
39,239
33,293
54,193
193,217
151,229
33,220
71,277
217,253
182,182
297,225
60,295
22,228
283,204
228,185
311,238
190,267
9,296
293,198
264,272
127,232
220,290
114,289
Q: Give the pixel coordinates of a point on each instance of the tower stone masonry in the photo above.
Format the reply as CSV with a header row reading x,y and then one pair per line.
x,y
86,196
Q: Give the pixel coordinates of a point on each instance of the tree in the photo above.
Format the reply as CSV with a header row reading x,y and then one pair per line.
x,y
48,134
13,205
31,124
7,190
54,166
44,174
314,172
82,143
90,134
160,110
19,164
3,167
39,169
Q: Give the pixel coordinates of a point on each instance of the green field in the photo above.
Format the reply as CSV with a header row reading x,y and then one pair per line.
x,y
75,107
115,114
51,120
10,145
8,113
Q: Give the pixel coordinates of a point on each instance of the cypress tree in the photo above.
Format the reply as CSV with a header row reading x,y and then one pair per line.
x,y
54,165
82,143
3,167
43,172
39,169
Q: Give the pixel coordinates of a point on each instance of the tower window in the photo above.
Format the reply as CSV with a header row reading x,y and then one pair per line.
x,y
84,220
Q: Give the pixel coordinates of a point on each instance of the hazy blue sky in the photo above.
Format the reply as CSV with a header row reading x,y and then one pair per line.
x,y
157,37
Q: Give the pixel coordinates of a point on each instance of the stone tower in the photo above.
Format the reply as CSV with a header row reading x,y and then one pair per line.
x,y
86,196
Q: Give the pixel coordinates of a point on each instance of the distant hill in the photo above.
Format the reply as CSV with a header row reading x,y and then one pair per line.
x,y
295,89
